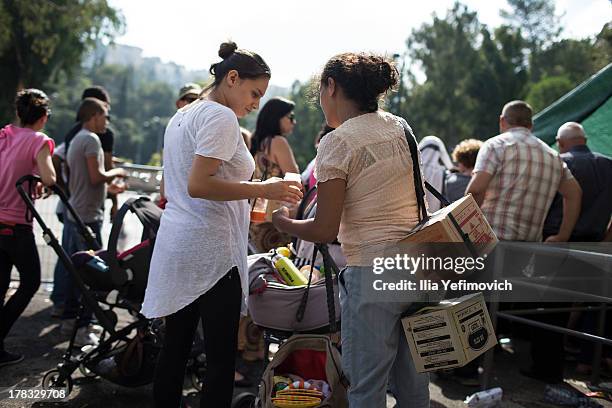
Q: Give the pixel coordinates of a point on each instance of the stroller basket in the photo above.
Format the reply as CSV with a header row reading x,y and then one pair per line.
x,y
280,307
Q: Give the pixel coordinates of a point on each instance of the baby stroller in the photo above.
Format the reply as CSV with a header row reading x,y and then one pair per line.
x,y
303,321
107,280
303,306
112,279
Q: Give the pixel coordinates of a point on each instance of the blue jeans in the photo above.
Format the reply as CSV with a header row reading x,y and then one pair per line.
x,y
375,352
73,241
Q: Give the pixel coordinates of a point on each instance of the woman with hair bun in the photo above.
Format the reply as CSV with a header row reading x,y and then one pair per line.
x,y
24,150
366,198
199,263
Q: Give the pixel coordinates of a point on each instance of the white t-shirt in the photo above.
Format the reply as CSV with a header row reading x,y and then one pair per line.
x,y
199,240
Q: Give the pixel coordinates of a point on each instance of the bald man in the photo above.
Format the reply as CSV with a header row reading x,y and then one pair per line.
x,y
516,177
593,172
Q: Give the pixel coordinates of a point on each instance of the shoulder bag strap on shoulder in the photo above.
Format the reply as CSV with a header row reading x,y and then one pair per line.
x,y
416,171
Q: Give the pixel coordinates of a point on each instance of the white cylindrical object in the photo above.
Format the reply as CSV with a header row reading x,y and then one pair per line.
x,y
293,177
486,398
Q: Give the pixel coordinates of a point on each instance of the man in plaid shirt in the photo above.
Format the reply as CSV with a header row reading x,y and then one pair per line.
x,y
516,177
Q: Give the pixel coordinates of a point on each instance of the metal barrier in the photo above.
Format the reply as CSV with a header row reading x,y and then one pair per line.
x,y
515,315
142,178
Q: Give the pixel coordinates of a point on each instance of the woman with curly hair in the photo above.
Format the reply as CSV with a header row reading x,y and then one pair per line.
x,y
366,198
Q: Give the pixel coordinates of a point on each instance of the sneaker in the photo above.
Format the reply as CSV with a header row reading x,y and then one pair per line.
x,y
86,337
7,358
96,329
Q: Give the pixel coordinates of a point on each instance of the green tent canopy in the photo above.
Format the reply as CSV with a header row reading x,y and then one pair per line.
x,y
590,104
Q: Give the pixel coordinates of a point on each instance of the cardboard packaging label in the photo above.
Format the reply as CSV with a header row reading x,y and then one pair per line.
x,y
441,228
450,334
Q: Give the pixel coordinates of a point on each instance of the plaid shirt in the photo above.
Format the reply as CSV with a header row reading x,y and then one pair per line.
x,y
526,175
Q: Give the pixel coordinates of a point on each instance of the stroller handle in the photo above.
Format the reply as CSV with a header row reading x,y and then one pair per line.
x,y
52,241
25,195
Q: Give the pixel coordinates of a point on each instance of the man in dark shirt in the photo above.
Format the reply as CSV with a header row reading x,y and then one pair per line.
x,y
593,172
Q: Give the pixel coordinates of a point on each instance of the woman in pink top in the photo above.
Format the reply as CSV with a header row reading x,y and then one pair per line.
x,y
23,150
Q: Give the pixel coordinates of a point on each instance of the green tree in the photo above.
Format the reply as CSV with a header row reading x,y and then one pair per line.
x,y
602,48
41,39
548,90
540,26
446,51
499,76
309,120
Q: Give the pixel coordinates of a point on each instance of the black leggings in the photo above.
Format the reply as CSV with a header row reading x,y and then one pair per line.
x,y
17,248
219,309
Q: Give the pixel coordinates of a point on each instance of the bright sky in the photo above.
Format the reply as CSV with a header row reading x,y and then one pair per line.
x,y
296,37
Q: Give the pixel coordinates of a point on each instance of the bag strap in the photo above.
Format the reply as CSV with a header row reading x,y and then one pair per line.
x,y
299,315
330,266
416,171
445,201
418,186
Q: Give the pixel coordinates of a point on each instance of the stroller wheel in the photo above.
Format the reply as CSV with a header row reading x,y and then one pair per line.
x,y
244,400
52,380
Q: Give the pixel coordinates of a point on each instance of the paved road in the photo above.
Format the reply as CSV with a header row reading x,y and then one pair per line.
x,y
37,336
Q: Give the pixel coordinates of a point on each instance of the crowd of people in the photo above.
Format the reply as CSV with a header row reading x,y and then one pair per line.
x,y
365,196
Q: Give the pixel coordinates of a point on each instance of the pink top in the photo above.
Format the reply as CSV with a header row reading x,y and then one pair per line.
x,y
18,150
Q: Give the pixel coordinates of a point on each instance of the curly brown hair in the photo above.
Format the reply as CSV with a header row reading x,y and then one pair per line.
x,y
466,152
364,78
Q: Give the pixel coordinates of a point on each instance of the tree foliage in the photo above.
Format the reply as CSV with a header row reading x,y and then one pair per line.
x,y
39,39
472,70
548,89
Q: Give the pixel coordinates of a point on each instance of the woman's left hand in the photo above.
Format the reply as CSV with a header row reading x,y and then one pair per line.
x,y
279,216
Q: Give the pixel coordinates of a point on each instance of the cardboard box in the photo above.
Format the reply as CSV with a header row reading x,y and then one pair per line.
x,y
469,217
449,335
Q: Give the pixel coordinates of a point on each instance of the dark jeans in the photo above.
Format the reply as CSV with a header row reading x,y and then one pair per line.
x,y
17,248
73,241
219,309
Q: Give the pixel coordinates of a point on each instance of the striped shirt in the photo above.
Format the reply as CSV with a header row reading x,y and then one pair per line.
x,y
526,175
